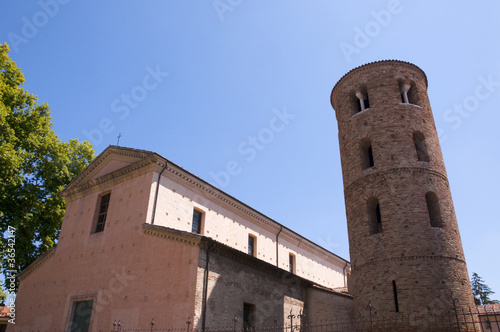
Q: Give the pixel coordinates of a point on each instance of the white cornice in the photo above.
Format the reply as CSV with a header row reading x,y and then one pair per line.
x,y
146,161
118,153
204,189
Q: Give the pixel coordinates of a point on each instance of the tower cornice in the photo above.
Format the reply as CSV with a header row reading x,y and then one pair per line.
x,y
375,64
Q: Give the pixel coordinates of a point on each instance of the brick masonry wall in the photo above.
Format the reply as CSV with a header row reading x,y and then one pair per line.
x,y
427,263
323,306
237,279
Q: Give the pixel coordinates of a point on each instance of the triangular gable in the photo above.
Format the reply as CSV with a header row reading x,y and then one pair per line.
x,y
110,166
111,159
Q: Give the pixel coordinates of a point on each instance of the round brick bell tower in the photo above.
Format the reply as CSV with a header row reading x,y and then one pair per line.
x,y
405,246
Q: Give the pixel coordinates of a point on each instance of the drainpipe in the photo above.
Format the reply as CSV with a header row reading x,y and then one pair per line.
x,y
156,194
205,288
277,259
345,281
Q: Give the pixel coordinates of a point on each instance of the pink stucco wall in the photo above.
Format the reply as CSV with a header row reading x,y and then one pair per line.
x,y
144,277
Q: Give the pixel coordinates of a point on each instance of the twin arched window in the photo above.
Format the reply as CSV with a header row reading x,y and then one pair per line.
x,y
408,92
360,100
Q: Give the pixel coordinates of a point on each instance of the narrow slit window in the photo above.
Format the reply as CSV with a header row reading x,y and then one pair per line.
x,y
251,245
367,159
395,291
291,263
371,163
103,212
420,146
374,216
434,209
197,220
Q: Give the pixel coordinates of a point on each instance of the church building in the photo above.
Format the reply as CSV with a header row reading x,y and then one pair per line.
x,y
144,239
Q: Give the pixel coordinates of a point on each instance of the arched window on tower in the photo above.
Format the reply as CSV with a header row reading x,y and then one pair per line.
x,y
366,149
362,100
420,146
434,210
409,93
374,215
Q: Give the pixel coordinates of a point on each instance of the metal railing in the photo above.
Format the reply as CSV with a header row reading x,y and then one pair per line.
x,y
484,318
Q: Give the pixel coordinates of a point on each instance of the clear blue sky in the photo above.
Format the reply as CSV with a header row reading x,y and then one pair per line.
x,y
196,80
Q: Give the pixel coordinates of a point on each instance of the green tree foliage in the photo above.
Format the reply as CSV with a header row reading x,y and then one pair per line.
x,y
481,291
3,296
34,167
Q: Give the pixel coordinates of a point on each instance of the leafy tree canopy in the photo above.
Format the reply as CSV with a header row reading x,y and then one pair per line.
x,y
34,167
481,291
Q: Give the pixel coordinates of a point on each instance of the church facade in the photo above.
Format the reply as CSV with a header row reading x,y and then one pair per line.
x,y
144,239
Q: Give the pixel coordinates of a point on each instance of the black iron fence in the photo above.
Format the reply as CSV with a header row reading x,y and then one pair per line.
x,y
484,318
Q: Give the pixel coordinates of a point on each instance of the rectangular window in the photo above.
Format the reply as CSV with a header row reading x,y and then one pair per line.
x,y
103,211
80,320
251,245
291,263
248,316
196,225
